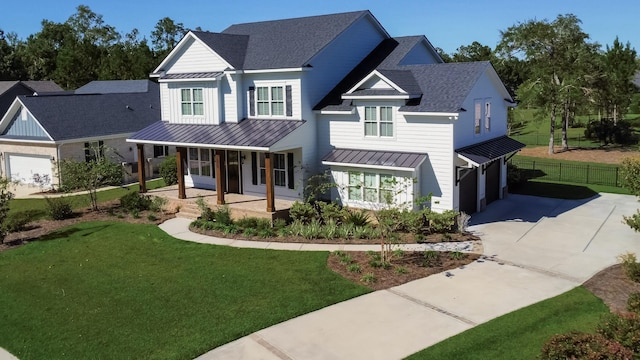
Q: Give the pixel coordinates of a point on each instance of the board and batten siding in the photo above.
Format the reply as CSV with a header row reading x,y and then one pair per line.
x,y
174,98
334,62
277,79
417,134
23,124
195,57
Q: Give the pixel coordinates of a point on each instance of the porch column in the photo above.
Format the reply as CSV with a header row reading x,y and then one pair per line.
x,y
269,173
220,175
142,179
181,156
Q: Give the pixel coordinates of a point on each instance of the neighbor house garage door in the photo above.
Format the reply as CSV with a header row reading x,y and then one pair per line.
x,y
22,167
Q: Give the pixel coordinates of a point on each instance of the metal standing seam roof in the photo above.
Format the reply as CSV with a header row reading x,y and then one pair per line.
x,y
250,133
490,150
364,158
198,75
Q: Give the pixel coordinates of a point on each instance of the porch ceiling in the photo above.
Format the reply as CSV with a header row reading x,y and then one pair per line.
x,y
490,150
249,134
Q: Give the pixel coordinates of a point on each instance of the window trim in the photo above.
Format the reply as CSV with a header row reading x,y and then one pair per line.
x,y
362,187
200,162
379,121
477,117
262,170
270,101
160,154
191,102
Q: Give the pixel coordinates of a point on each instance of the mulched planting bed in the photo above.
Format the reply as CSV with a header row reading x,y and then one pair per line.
x,y
613,286
402,239
108,211
412,262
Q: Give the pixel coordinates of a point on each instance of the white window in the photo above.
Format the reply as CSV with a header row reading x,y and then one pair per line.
x,y
200,162
279,169
487,116
192,102
371,187
378,120
23,114
270,100
477,117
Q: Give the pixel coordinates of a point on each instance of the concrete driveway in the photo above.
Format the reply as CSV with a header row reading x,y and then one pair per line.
x,y
570,238
537,248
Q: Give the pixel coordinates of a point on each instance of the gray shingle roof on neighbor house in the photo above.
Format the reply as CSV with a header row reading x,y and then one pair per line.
x,y
249,133
636,80
288,43
389,159
67,117
117,87
35,86
489,150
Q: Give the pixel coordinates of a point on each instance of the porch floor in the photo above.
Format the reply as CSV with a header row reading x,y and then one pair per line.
x,y
241,205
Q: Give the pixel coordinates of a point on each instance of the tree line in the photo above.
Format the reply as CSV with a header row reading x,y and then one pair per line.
x,y
83,49
552,66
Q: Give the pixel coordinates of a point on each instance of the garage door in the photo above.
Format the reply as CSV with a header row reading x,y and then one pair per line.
x,y
469,192
492,183
22,167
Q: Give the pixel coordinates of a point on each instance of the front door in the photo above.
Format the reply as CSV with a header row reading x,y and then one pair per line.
x,y
233,172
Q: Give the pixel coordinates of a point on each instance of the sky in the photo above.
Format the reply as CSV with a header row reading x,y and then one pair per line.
x,y
448,24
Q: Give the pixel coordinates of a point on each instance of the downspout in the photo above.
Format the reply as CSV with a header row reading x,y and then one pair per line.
x,y
58,146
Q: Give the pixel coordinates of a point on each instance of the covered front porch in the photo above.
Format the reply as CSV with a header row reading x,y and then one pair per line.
x,y
240,205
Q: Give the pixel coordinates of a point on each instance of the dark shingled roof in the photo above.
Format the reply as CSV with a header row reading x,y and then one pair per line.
x,y
250,133
34,86
404,79
365,158
231,47
117,87
288,43
67,117
489,150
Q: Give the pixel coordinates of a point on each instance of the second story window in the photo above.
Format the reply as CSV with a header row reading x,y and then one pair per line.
x,y
477,117
378,121
270,100
192,102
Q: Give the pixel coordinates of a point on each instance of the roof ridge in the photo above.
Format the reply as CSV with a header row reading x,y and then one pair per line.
x,y
297,18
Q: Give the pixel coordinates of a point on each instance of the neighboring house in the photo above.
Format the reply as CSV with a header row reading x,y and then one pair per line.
x,y
261,107
39,130
9,90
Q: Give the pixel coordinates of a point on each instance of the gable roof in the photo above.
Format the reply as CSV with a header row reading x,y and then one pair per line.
x,y
444,86
116,87
33,86
232,48
78,116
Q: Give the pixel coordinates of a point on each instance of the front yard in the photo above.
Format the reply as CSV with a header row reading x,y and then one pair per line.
x,y
113,290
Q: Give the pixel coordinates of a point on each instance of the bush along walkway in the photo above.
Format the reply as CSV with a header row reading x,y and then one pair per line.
x,y
179,228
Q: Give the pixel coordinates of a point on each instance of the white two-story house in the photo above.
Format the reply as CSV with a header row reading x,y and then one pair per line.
x,y
260,107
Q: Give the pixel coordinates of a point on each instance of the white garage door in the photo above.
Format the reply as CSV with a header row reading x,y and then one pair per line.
x,y
23,167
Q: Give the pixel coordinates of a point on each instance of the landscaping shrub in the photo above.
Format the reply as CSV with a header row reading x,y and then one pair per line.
x,y
223,215
633,303
357,218
134,201
169,170
58,208
303,212
583,346
330,212
442,222
206,213
158,203
631,266
15,222
608,132
515,175
622,328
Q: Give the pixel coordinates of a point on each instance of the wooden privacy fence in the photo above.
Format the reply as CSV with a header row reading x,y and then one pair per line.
x,y
574,173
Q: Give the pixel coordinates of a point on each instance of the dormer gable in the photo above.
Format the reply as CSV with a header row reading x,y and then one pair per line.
x,y
385,84
204,52
19,123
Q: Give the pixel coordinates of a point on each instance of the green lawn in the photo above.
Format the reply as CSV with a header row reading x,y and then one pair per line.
x,y
119,290
36,207
521,334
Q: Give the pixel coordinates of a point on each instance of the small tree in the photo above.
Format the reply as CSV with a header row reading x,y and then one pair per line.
x,y
631,180
5,196
90,176
169,170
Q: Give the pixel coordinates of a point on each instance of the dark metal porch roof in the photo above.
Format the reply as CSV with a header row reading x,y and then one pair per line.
x,y
489,150
375,159
249,133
